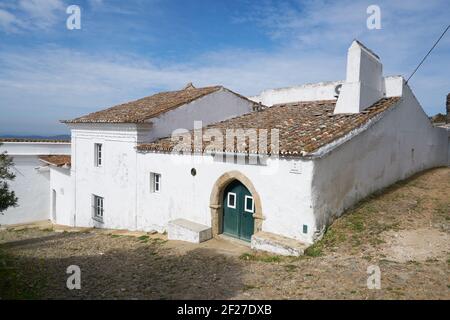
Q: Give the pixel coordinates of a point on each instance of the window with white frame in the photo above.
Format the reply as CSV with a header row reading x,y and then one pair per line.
x,y
98,155
231,200
155,182
249,205
98,208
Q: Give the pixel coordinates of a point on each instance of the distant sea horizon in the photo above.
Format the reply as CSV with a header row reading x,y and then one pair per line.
x,y
37,137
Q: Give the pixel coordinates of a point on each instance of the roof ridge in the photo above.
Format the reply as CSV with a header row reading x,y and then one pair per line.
x,y
305,102
145,108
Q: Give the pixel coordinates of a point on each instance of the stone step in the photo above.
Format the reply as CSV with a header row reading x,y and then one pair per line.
x,y
273,243
185,230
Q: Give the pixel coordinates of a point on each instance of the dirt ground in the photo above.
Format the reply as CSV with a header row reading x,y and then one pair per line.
x,y
403,230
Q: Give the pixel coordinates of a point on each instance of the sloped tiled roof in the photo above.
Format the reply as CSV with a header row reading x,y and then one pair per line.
x,y
303,127
146,108
57,160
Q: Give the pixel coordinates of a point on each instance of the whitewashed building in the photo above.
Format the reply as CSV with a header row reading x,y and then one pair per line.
x,y
318,149
32,182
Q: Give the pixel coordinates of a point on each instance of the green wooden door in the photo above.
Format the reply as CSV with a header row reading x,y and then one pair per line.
x,y
238,208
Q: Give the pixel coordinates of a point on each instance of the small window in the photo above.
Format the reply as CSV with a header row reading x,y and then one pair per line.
x,y
155,182
231,200
249,204
98,155
98,208
305,228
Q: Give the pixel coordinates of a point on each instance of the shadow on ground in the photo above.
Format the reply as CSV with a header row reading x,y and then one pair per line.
x,y
148,271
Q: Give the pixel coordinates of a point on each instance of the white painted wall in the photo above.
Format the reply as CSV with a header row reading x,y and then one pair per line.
x,y
114,180
214,107
62,206
391,86
285,196
35,148
129,204
306,92
32,180
31,188
399,144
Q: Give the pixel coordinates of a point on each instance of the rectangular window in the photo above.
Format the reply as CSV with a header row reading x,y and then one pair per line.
x,y
231,200
249,204
98,154
98,208
155,182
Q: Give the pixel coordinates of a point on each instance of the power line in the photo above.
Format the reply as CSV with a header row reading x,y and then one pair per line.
x,y
448,27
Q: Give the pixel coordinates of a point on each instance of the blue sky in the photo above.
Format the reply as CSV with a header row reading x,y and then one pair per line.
x,y
130,49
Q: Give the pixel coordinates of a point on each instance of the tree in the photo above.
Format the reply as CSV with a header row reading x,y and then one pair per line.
x,y
7,197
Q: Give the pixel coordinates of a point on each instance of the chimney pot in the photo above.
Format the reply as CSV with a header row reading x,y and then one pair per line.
x,y
189,86
364,80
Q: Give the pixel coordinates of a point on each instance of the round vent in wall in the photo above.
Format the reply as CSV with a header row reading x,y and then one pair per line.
x,y
193,172
337,90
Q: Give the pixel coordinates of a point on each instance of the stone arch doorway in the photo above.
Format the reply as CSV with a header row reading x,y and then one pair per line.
x,y
217,201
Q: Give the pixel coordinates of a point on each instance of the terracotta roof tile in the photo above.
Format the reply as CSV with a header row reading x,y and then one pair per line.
x,y
303,127
56,160
146,108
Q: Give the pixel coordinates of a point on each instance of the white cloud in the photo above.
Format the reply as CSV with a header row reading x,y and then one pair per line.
x,y
61,83
40,86
26,15
9,22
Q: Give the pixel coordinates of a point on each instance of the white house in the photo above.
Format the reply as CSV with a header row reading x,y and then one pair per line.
x,y
273,170
32,181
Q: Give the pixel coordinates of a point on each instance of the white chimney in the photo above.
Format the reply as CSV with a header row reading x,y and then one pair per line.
x,y
364,83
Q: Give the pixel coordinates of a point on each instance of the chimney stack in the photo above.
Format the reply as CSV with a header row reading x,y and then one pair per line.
x,y
363,85
448,108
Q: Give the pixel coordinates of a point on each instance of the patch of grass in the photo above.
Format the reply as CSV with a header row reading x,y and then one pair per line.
x,y
143,239
290,267
315,250
355,221
248,287
260,257
157,241
12,284
115,235
333,237
47,230
443,209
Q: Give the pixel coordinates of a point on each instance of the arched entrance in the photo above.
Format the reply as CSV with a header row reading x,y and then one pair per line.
x,y
218,195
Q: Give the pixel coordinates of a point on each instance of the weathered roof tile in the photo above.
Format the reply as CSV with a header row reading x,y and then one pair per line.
x,y
57,160
304,126
146,108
